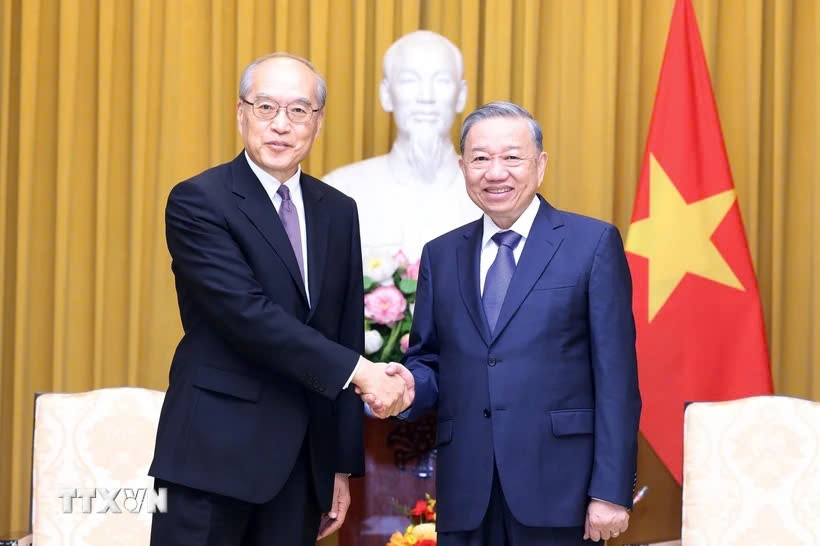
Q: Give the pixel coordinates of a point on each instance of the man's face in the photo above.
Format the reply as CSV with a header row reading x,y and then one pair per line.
x,y
423,89
502,168
279,145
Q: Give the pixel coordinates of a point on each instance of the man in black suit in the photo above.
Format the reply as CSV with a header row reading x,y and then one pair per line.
x,y
259,430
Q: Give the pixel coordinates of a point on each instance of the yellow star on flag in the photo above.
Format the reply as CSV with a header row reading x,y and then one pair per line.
x,y
676,238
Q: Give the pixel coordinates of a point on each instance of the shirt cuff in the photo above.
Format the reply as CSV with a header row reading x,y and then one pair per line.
x,y
349,379
608,502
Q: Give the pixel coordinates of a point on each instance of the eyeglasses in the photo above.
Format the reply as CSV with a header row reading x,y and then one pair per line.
x,y
266,109
509,161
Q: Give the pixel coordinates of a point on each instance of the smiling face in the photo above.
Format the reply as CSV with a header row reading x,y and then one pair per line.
x,y
279,145
502,167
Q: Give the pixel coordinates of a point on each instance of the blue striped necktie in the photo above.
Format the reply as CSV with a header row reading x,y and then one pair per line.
x,y
499,276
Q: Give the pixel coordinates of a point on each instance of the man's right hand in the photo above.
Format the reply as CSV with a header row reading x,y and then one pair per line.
x,y
385,391
378,408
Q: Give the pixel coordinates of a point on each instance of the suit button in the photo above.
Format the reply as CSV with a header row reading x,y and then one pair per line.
x,y
491,361
487,412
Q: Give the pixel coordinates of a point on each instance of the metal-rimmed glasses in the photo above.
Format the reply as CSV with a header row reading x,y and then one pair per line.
x,y
266,109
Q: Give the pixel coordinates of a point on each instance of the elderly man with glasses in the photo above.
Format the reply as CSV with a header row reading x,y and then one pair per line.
x,y
261,426
523,340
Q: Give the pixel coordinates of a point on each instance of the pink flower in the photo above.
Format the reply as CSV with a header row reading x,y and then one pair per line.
x,y
404,342
401,259
412,271
385,305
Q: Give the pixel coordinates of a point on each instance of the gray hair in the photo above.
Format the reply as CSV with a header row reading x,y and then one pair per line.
x,y
414,39
501,109
246,81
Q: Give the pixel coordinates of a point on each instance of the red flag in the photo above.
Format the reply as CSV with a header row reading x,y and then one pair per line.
x,y
696,302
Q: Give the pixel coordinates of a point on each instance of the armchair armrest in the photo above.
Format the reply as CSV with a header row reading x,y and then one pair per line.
x,y
15,539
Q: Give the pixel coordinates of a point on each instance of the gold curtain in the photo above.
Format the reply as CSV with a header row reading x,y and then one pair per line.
x,y
105,104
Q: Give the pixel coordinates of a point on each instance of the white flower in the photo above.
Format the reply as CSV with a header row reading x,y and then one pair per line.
x,y
379,266
373,341
412,309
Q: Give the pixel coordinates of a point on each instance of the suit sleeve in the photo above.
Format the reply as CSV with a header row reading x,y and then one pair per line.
x,y
615,372
349,407
208,261
422,356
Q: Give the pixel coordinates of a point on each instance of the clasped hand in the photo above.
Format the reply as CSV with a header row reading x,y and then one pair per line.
x,y
605,520
387,389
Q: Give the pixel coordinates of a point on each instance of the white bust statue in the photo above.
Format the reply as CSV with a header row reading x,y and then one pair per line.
x,y
416,192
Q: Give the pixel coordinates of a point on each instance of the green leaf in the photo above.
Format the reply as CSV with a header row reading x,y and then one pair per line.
x,y
408,286
368,283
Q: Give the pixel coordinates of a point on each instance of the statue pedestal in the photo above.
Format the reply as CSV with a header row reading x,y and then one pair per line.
x,y
399,469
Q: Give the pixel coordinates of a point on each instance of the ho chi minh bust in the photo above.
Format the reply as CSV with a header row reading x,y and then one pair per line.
x,y
416,192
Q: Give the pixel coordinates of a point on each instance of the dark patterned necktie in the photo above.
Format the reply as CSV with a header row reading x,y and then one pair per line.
x,y
499,276
290,220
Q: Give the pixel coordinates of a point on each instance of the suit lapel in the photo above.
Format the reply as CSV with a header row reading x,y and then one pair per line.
x,y
316,222
256,205
468,256
539,249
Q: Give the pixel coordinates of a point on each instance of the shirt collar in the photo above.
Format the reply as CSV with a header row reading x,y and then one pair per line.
x,y
271,184
522,226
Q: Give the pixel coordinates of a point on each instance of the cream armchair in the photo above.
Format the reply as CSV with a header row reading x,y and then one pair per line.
x,y
102,439
751,473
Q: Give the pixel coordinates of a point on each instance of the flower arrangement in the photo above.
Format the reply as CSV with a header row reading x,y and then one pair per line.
x,y
389,298
422,532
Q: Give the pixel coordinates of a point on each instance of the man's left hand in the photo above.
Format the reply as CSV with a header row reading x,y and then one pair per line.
x,y
605,520
333,520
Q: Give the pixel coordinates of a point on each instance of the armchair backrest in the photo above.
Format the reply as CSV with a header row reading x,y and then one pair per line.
x,y
751,472
97,441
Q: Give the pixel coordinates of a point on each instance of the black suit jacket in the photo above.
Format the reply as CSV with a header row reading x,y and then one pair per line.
x,y
258,368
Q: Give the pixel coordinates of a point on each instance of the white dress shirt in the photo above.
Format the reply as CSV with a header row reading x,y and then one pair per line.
x,y
271,186
489,249
293,183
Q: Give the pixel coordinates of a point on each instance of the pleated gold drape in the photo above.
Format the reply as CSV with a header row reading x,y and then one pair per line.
x,y
105,104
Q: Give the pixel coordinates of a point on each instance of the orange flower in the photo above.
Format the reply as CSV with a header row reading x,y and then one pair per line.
x,y
398,540
422,531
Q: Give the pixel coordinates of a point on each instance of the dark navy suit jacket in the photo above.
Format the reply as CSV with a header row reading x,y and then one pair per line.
x,y
258,368
551,396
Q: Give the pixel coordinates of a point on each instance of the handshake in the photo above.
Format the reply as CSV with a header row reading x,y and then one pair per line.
x,y
388,390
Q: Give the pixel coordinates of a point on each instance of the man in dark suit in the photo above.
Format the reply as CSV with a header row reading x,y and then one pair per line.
x,y
259,432
523,339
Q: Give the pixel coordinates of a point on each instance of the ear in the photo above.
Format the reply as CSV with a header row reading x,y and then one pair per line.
x,y
384,96
320,121
462,96
462,166
542,166
239,115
